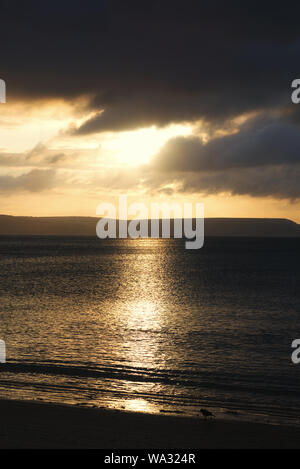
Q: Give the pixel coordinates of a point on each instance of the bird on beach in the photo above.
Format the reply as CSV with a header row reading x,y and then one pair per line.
x,y
206,413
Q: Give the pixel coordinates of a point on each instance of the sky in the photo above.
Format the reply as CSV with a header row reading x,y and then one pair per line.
x,y
162,101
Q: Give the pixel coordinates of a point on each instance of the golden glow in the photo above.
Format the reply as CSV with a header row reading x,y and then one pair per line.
x,y
24,125
139,405
137,147
90,169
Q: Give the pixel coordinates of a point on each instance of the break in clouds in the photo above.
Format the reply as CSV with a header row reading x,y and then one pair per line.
x,y
153,63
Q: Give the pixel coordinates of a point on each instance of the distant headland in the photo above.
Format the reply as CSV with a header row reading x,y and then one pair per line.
x,y
86,226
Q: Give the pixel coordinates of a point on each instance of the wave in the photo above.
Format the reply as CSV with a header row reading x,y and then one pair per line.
x,y
176,390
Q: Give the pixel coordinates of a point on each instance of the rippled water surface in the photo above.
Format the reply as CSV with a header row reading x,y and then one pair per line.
x,y
147,325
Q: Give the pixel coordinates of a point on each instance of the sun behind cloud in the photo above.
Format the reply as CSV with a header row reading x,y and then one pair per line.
x,y
139,146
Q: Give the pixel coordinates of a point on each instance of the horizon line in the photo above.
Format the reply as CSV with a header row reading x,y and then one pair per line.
x,y
118,219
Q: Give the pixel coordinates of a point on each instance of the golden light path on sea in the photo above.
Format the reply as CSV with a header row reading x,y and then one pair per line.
x,y
143,316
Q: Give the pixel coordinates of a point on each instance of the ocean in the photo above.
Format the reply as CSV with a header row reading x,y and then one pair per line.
x,y
146,325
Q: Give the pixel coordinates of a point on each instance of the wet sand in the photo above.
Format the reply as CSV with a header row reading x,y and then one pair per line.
x,y
38,425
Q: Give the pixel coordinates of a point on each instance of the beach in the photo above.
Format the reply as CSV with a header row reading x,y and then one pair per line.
x,y
40,425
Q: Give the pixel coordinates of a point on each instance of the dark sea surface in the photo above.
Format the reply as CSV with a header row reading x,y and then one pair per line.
x,y
146,325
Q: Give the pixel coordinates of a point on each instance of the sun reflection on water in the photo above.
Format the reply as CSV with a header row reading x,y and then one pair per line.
x,y
142,319
140,405
144,315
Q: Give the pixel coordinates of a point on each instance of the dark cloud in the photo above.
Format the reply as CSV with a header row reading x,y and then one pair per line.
x,y
261,159
279,182
158,62
152,62
259,142
276,181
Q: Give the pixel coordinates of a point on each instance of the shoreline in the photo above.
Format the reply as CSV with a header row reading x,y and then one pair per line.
x,y
30,424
